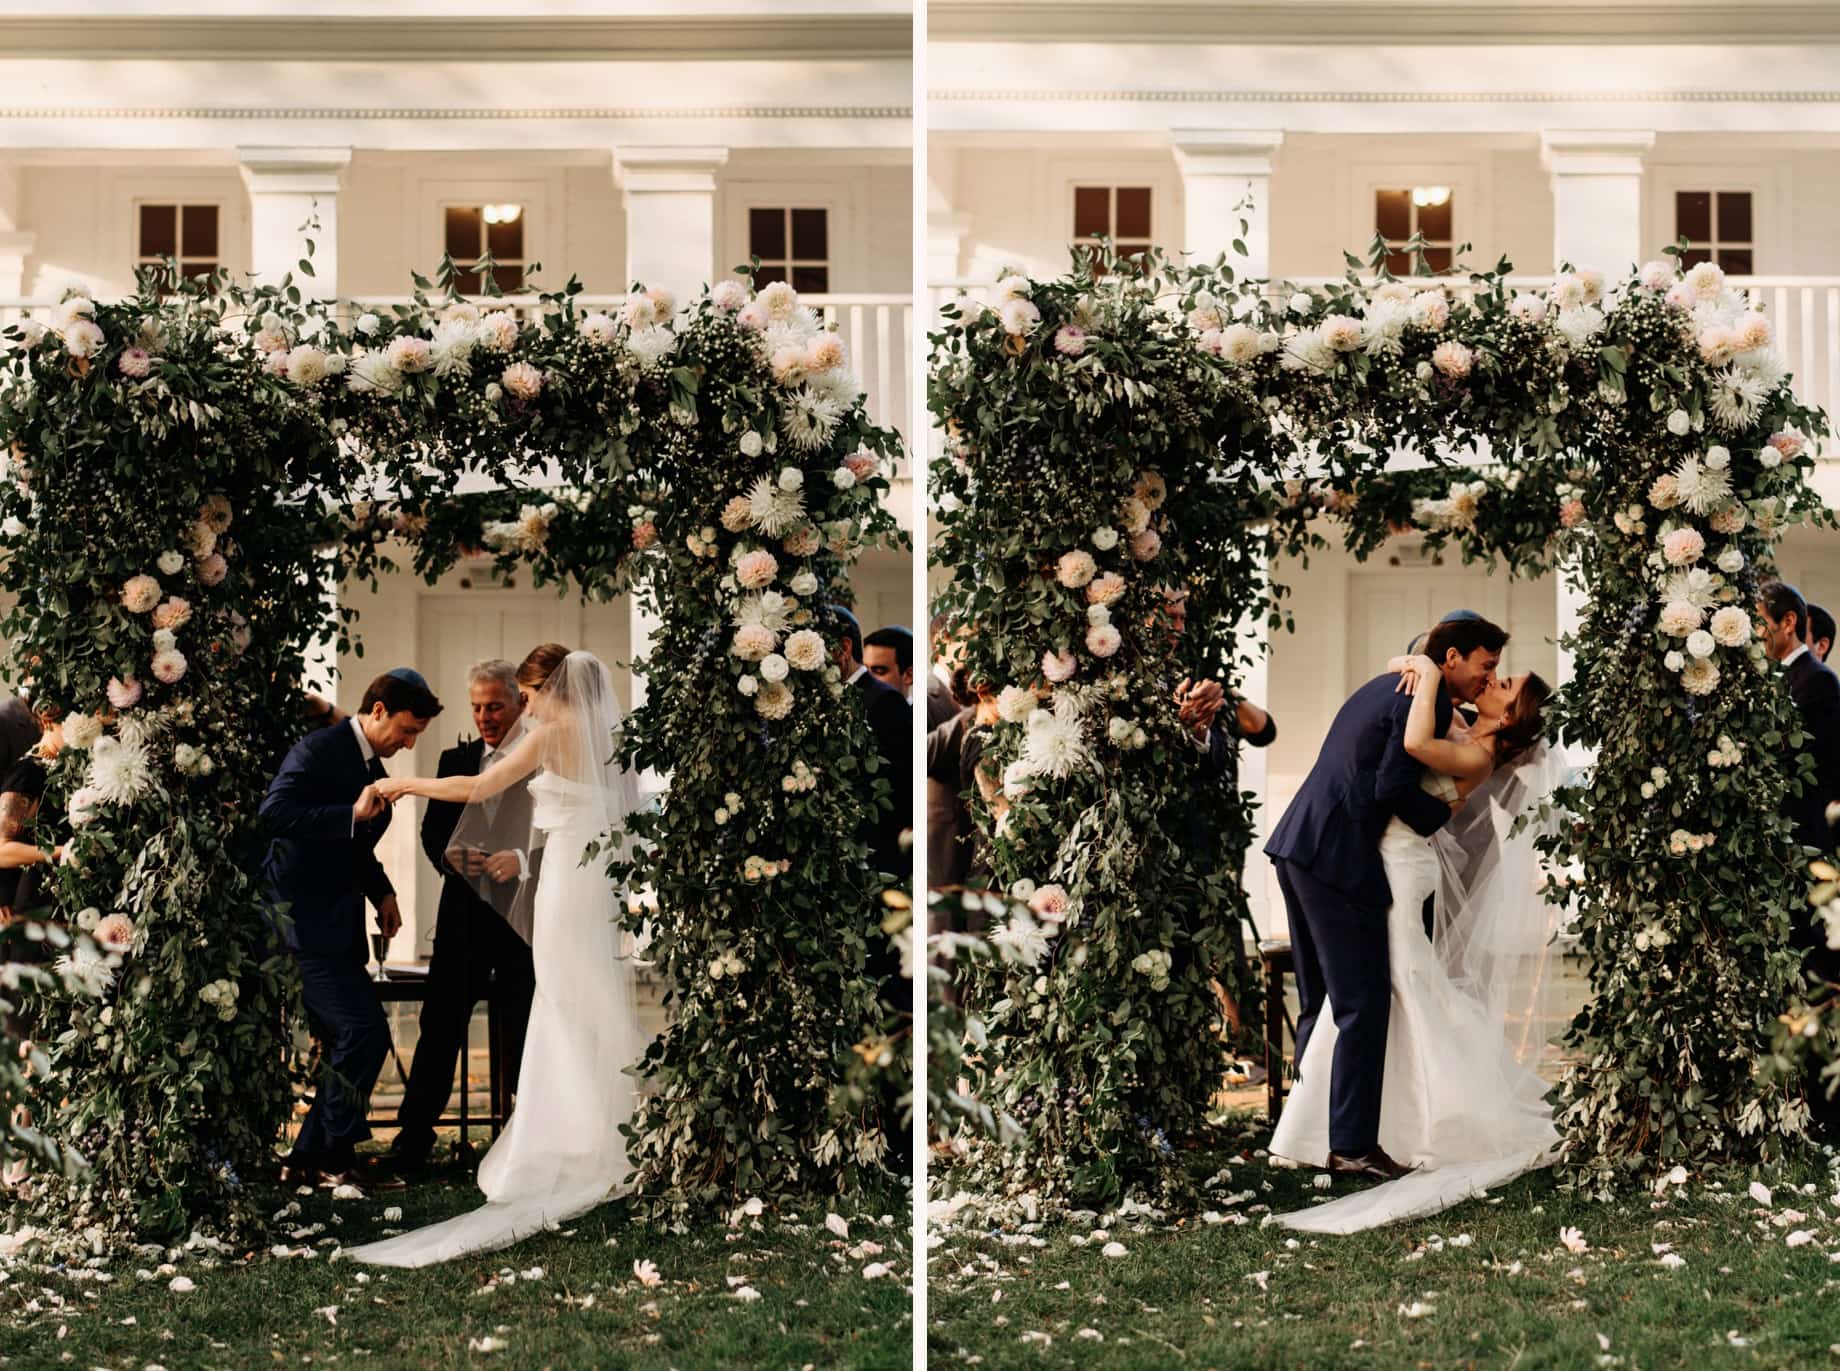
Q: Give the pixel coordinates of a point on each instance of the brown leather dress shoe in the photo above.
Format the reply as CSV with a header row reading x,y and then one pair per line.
x,y
1374,1164
298,1173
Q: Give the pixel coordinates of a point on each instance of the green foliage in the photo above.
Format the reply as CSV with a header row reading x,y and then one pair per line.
x,y
1178,425
191,469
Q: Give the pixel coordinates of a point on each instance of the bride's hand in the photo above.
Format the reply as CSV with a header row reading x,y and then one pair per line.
x,y
1411,669
393,788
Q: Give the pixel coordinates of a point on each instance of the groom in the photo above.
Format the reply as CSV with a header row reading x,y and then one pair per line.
x,y
325,816
1326,850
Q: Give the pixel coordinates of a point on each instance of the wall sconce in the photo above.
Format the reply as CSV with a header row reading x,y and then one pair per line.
x,y
1425,195
510,214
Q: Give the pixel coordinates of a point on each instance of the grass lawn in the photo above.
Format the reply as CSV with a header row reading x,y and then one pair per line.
x,y
585,1308
1488,1284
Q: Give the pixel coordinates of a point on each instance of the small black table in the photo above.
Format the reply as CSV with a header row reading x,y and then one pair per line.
x,y
1275,953
414,990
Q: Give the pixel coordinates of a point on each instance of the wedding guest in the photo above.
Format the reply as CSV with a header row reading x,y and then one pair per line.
x,y
890,720
477,953
1820,631
947,822
325,817
889,655
25,823
954,757
19,730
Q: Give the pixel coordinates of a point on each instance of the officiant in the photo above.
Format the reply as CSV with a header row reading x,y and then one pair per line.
x,y
477,951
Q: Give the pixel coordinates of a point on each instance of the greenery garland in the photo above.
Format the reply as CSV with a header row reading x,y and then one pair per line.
x,y
188,469
1109,436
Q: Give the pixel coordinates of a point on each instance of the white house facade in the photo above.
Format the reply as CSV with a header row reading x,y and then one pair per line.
x,y
1542,132
615,142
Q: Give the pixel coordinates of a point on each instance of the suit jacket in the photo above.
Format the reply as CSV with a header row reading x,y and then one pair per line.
x,y
947,859
318,865
1363,778
19,732
510,829
1816,691
891,720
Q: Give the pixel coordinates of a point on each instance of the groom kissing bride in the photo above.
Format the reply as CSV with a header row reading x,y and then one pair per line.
x,y
1409,1073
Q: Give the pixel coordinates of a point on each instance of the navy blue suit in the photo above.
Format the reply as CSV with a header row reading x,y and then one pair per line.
x,y
1326,850
319,870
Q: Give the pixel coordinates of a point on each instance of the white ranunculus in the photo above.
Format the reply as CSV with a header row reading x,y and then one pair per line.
x,y
1105,539
747,685
805,584
1302,303
1679,423
1701,643
791,478
751,444
1674,661
1718,458
1731,561
774,667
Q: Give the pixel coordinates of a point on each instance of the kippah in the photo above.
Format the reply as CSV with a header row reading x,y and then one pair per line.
x,y
409,675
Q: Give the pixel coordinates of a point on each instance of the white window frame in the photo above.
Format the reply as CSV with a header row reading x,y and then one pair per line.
x,y
123,194
839,192
179,207
1764,179
1153,169
1469,197
537,195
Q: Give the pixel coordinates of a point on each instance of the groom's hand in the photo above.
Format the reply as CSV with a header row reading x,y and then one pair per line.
x,y
389,917
369,805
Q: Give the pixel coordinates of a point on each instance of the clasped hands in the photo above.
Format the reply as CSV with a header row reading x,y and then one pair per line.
x,y
475,861
1411,668
1197,702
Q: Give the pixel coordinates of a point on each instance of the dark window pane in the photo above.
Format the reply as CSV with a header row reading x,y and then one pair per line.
x,y
1438,260
767,234
1399,263
200,230
159,230
1092,211
1692,257
466,282
1128,252
1133,212
1735,216
198,269
510,279
1737,261
811,235
767,275
1393,214
506,241
463,239
1434,221
811,280
1693,215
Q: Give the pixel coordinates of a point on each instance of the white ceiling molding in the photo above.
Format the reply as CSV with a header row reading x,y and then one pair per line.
x,y
611,112
510,37
1384,21
1381,97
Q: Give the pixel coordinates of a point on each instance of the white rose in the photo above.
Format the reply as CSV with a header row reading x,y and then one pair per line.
x,y
172,563
843,478
750,444
1700,643
1105,539
1302,303
747,685
1731,560
1098,614
774,667
791,478
1769,457
1679,423
805,583
367,324
1718,458
1674,661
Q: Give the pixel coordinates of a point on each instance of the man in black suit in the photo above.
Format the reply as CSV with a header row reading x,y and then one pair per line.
x,y
1820,631
891,720
476,951
947,822
889,655
325,817
1816,692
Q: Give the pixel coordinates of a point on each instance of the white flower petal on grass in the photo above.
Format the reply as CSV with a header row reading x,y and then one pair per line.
x,y
747,1294
837,1224
1800,1238
1761,1193
486,1344
181,1285
331,1313
1573,1240
876,1270
1418,1309
347,1192
393,1214
1673,1261
1114,1249
1261,1279
646,1272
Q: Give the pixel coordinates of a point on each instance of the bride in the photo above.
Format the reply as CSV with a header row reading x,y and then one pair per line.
x,y
561,1153
1461,1102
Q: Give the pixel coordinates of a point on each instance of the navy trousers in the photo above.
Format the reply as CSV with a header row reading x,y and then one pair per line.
x,y
355,1037
1339,951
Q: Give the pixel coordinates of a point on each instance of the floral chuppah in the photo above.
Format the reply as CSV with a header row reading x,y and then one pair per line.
x,y
188,469
1109,438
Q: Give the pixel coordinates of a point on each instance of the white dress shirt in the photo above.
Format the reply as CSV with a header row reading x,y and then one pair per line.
x,y
1800,648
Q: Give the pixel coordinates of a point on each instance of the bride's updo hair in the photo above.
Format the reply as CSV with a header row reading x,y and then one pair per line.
x,y
535,669
1521,727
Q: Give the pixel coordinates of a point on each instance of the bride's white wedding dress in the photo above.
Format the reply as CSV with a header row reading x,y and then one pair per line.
x,y
1457,1101
561,1152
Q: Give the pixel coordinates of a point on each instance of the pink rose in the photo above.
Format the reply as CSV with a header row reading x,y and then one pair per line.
x,y
1571,513
212,569
728,295
1105,589
1789,444
644,535
861,464
1102,640
803,542
175,613
825,353
1076,568
752,316
1050,902
115,933
1684,546
756,570
1145,545
124,694
169,666
1058,666
1453,359
737,514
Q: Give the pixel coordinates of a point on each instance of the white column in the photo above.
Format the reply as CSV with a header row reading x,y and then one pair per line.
x,y
1597,224
1597,197
670,201
15,243
1226,177
945,238
1255,775
289,188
